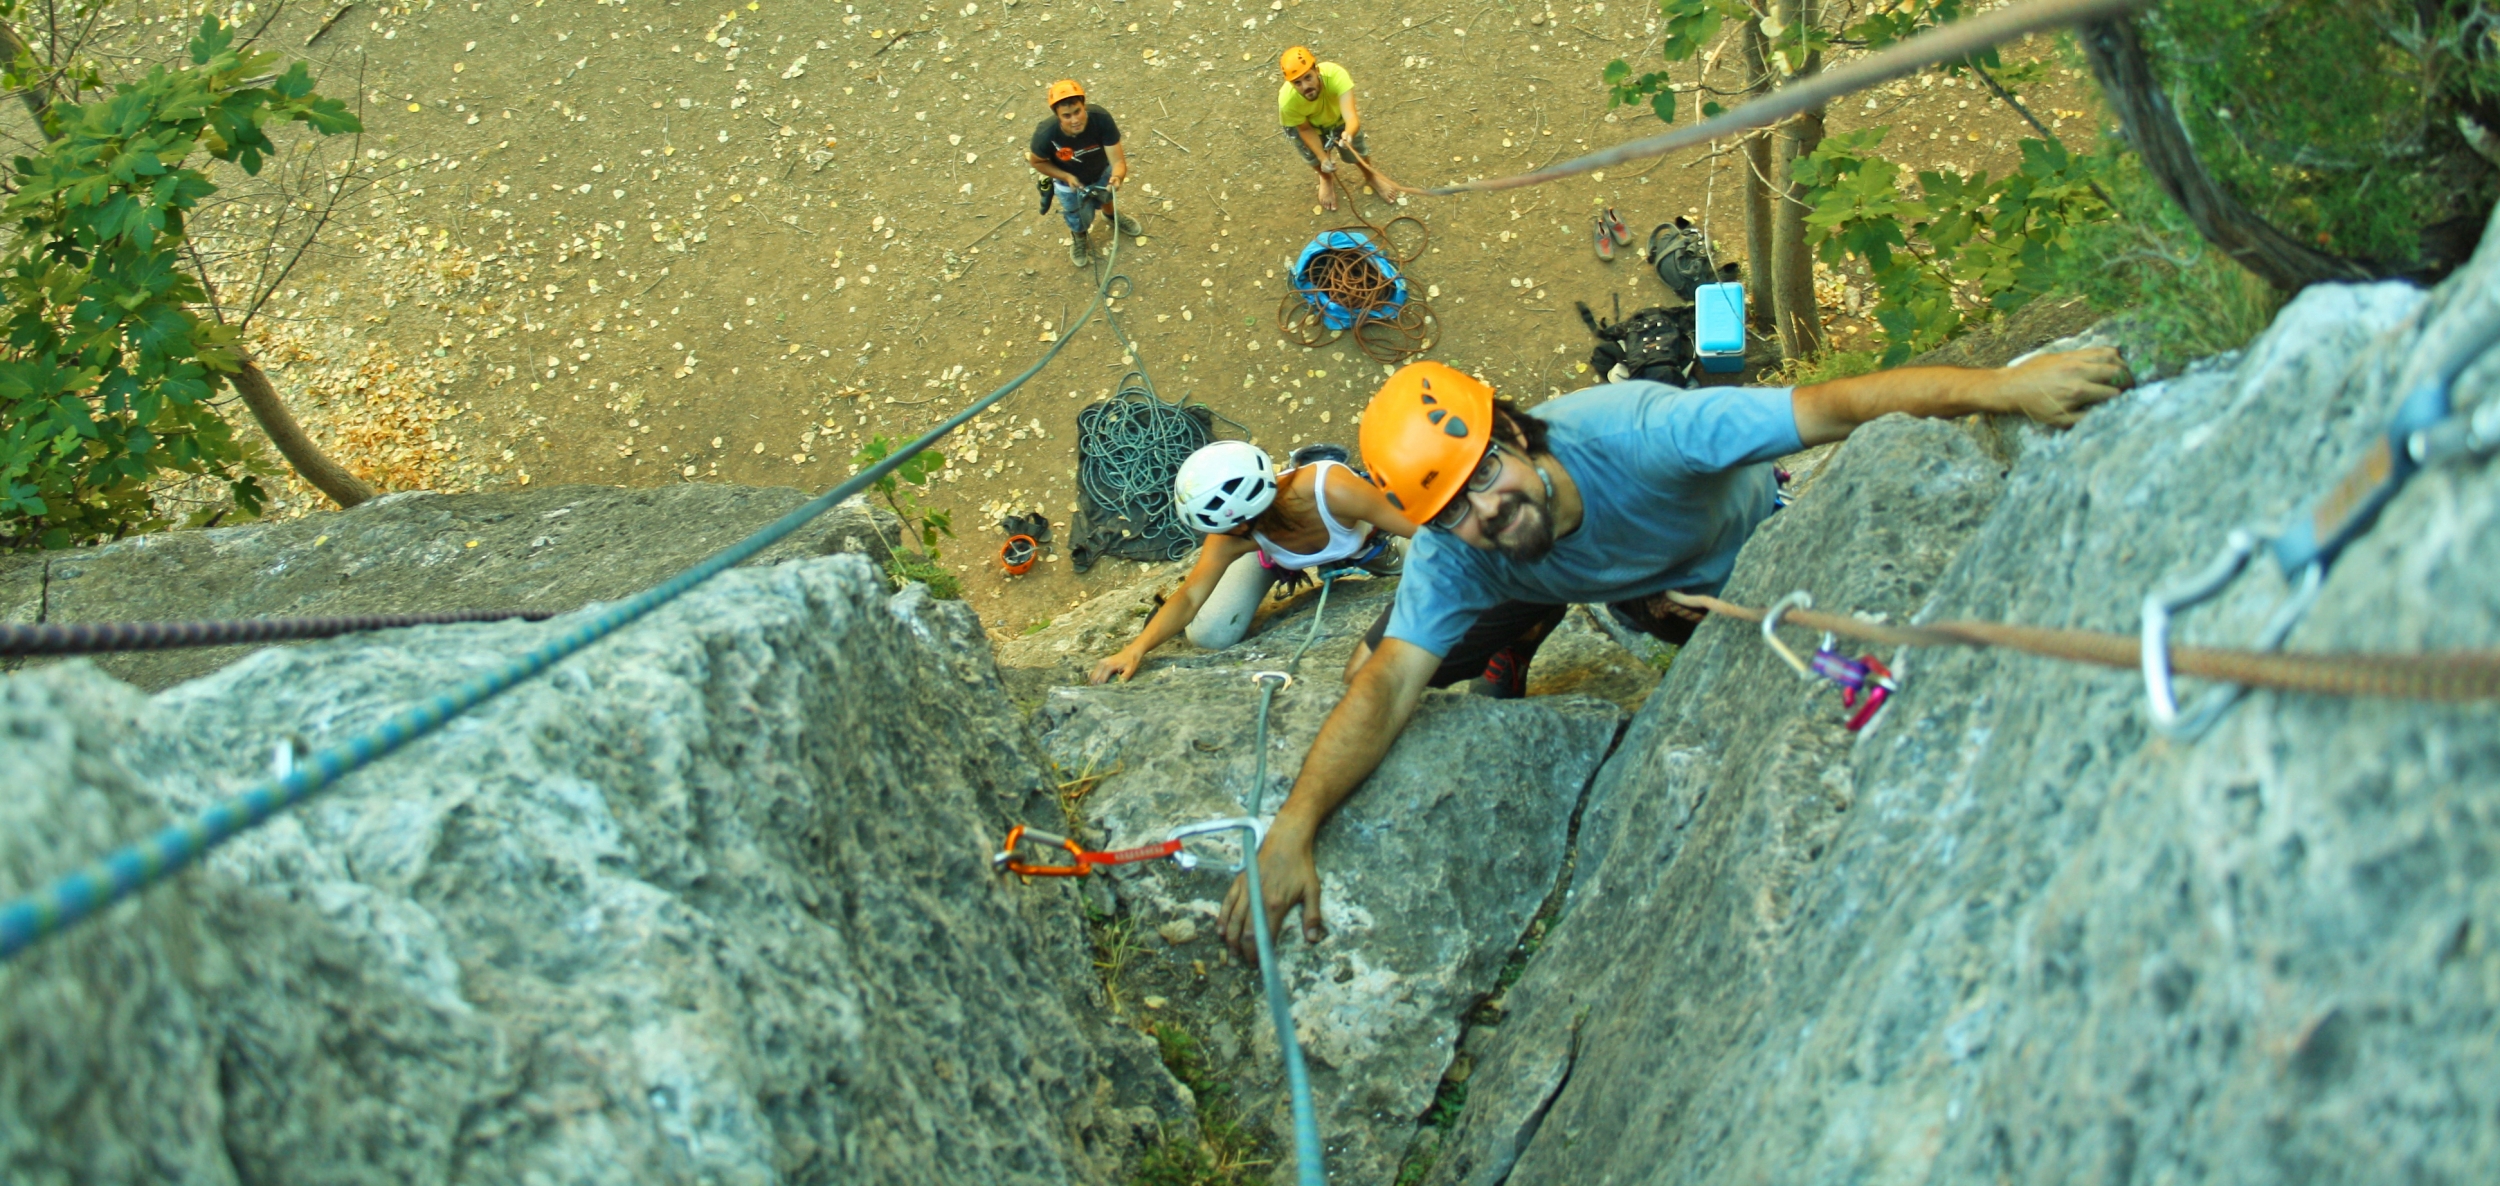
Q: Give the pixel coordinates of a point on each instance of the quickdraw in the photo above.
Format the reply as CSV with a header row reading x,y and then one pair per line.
x,y
1865,683
1085,862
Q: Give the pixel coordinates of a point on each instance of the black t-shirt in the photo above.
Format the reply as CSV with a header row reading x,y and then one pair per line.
x,y
1081,154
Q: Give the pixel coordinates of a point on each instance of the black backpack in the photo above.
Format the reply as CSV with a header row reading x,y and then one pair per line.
x,y
1682,258
1655,343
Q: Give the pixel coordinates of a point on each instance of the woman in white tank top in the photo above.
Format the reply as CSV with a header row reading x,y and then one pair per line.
x,y
1325,516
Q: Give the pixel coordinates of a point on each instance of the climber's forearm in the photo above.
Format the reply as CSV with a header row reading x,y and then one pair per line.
x,y
1828,412
1357,734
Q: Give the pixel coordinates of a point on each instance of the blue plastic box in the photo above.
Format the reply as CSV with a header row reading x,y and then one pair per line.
x,y
1719,327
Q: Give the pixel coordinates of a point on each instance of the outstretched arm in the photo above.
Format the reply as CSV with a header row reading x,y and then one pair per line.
x,y
1215,556
1357,734
2052,389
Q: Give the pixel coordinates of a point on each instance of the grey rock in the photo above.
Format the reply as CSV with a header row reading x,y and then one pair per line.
x,y
708,902
555,547
1430,873
2011,933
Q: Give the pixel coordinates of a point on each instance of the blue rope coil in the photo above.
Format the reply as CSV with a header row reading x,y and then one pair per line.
x,y
79,894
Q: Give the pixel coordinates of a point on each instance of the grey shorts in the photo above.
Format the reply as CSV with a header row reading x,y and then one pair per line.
x,y
1362,144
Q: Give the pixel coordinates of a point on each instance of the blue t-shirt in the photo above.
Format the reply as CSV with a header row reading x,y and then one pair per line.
x,y
1672,483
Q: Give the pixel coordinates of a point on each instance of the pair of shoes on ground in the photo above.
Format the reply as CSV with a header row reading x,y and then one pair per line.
x,y
1610,233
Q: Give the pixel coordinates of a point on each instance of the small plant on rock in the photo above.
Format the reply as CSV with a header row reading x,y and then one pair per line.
x,y
902,491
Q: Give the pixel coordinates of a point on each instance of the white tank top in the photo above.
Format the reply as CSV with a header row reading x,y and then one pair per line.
x,y
1343,541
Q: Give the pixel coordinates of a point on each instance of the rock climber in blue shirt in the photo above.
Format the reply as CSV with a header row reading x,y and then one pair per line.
x,y
1624,493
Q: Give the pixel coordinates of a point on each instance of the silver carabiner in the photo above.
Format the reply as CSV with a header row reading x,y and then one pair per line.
x,y
1770,628
1186,860
2161,607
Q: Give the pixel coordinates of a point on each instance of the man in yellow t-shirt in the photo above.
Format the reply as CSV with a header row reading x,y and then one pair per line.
x,y
1317,110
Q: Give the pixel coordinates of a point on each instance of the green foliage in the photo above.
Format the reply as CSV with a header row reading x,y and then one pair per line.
x,y
903,491
107,376
1688,28
2183,297
2336,119
1959,240
1225,1154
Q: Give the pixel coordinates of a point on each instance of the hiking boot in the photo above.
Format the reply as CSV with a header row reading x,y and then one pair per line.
x,y
1505,676
1129,226
1077,253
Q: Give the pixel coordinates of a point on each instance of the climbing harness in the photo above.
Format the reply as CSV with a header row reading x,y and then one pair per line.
x,y
97,638
79,894
1865,684
1005,860
2425,431
1347,280
1950,43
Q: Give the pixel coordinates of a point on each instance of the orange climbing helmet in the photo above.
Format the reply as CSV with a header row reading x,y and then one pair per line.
x,y
1423,434
1064,90
1297,62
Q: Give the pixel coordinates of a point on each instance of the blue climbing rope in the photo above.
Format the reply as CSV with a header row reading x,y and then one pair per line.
x,y
79,894
1309,1169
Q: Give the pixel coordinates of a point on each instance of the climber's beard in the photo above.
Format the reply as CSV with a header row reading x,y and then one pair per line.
x,y
1521,530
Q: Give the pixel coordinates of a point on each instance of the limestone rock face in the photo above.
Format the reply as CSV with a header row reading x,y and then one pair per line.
x,y
1430,874
709,902
548,548
2011,932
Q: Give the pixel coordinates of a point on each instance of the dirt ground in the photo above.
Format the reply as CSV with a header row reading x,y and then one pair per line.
x,y
591,219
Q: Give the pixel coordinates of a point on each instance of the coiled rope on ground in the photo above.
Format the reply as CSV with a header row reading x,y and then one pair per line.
x,y
96,638
1358,279
1129,448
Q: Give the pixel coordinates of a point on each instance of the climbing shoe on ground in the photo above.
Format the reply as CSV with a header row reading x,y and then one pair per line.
x,y
1504,678
1077,254
1615,229
1605,238
1130,227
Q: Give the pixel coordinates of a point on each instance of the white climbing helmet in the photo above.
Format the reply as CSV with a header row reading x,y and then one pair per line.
x,y
1223,486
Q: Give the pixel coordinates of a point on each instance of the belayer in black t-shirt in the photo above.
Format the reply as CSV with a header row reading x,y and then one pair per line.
x,y
1075,148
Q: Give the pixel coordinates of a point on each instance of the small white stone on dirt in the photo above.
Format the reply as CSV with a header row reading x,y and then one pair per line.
x,y
1178,932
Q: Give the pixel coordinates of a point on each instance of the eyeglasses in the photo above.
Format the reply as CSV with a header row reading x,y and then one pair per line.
x,y
1487,472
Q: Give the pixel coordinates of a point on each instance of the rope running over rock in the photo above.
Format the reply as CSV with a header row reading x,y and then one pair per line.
x,y
96,638
2455,676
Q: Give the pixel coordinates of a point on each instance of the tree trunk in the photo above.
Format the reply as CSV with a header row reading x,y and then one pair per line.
x,y
1799,319
2153,128
1758,173
327,476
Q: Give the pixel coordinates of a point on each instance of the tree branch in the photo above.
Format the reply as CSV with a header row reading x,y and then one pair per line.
x,y
2126,75
327,476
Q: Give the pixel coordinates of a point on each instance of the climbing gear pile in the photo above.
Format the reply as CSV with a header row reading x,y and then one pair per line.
x,y
97,638
1423,434
1656,344
1865,684
81,893
1018,553
1347,280
1084,862
1682,259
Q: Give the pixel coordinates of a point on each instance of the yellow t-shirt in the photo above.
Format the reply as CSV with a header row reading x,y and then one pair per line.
x,y
1322,113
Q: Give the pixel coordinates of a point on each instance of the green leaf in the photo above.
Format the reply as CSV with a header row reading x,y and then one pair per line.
x,y
1662,105
1616,71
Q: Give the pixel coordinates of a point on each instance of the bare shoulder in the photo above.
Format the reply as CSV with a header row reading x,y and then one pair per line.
x,y
1349,496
